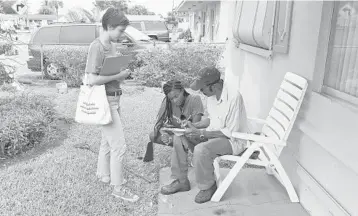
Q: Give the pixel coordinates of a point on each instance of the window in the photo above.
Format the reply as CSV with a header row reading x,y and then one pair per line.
x,y
204,23
341,77
155,26
78,34
137,25
47,35
263,26
212,26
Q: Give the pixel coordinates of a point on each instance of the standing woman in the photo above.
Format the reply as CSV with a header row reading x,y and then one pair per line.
x,y
113,145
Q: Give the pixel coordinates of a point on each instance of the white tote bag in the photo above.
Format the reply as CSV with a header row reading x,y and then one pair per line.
x,y
92,106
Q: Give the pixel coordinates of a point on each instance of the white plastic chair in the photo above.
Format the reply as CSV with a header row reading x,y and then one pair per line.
x,y
275,131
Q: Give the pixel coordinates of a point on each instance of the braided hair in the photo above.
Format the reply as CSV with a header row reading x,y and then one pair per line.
x,y
167,115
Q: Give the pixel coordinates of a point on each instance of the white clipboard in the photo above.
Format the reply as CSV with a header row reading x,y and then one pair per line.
x,y
176,131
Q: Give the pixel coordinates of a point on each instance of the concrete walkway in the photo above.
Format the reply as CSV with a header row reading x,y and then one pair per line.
x,y
253,193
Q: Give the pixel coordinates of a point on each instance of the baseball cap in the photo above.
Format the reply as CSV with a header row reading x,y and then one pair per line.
x,y
206,76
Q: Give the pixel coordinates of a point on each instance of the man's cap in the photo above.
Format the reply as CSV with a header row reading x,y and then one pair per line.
x,y
206,76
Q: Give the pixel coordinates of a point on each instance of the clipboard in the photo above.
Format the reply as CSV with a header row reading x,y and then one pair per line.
x,y
176,131
114,65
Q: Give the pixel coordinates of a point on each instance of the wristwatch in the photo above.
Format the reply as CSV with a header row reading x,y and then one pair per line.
x,y
202,134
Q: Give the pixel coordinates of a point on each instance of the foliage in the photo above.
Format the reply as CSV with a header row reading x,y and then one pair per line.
x,y
71,58
185,35
5,47
6,73
45,10
80,15
181,61
139,10
104,4
24,121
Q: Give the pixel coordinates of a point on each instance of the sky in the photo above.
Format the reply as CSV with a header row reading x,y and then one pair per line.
x,y
156,6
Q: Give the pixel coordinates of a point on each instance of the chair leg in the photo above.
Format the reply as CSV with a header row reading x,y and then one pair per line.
x,y
217,171
283,175
233,173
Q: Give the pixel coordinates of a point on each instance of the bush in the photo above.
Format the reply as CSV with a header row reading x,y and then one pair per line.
x,y
181,61
24,121
185,35
6,73
72,59
5,47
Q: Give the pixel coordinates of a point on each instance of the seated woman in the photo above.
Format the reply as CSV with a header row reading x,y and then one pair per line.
x,y
177,107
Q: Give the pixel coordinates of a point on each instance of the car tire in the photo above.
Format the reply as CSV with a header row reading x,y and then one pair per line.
x,y
52,71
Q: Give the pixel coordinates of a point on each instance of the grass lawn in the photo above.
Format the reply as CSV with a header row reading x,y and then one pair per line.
x,y
62,181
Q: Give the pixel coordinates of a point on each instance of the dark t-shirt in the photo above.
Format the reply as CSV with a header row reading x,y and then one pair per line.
x,y
95,58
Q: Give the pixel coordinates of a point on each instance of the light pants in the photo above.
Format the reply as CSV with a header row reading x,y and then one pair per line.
x,y
204,155
113,146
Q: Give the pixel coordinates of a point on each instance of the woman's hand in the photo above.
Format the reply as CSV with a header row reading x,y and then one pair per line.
x,y
192,132
124,74
166,138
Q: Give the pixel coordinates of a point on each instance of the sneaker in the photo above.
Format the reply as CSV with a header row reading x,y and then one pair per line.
x,y
205,195
126,194
105,179
175,187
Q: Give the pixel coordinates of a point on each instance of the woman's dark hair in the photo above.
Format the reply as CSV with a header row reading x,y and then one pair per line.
x,y
114,17
167,115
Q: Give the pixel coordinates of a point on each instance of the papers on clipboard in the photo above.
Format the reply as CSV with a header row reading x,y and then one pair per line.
x,y
176,131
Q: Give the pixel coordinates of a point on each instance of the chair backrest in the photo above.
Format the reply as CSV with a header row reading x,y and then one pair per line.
x,y
285,108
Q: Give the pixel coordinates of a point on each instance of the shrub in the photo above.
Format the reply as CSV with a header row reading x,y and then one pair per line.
x,y
72,59
181,61
5,47
24,121
6,73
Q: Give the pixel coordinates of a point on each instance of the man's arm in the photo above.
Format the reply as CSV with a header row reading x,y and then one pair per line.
x,y
232,123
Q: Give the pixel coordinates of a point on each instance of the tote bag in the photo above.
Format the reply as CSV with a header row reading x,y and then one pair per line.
x,y
92,106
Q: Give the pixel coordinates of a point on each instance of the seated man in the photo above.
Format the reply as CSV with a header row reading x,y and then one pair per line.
x,y
226,114
177,108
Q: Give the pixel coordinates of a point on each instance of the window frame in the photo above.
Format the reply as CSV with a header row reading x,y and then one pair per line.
x,y
324,89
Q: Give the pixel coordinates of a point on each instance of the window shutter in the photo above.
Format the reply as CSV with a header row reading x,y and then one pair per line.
x,y
282,26
253,23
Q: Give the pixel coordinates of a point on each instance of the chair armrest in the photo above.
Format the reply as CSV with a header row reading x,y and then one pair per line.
x,y
257,120
258,138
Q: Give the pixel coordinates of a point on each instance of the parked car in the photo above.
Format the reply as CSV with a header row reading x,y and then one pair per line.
x,y
153,26
133,41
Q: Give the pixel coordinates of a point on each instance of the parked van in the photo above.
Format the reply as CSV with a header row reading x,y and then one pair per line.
x,y
152,25
76,34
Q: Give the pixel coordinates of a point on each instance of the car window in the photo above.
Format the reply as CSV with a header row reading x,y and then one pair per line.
x,y
136,25
77,34
155,26
47,35
136,34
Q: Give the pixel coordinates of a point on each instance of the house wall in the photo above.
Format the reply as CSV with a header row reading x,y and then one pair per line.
x,y
320,156
207,7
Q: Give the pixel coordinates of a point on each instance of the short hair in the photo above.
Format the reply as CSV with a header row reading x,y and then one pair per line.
x,y
114,17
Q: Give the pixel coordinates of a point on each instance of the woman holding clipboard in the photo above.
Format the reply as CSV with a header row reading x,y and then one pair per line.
x,y
178,106
113,145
